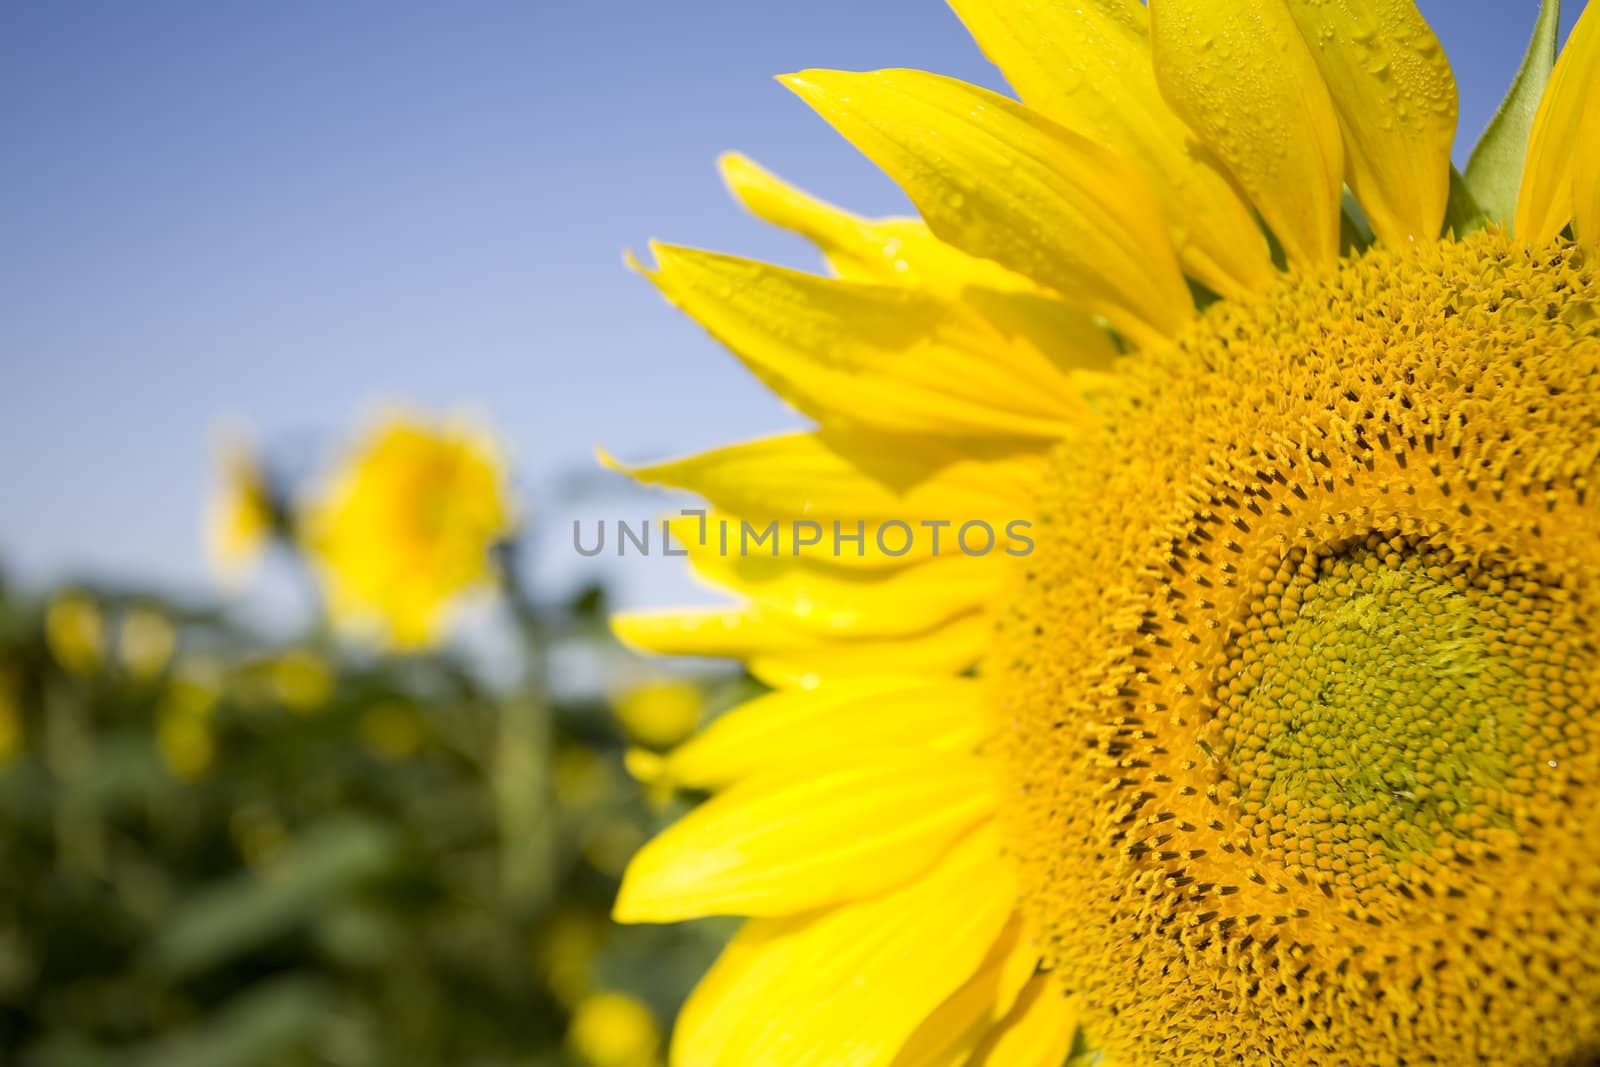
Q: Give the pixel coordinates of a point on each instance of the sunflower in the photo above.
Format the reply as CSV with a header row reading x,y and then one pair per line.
x,y
407,526
1273,741
242,515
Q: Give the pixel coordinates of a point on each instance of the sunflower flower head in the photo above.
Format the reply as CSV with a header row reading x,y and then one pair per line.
x,y
614,1030
185,723
1272,737
660,712
75,631
302,680
146,640
241,518
406,528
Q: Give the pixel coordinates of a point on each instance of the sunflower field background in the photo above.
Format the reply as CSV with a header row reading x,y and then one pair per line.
x,y
233,845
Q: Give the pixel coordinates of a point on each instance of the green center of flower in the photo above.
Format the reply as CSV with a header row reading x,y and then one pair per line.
x,y
1377,707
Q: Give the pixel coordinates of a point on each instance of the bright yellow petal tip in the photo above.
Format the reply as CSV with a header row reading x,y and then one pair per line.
x,y
1241,75
1396,98
785,844
1561,148
1000,182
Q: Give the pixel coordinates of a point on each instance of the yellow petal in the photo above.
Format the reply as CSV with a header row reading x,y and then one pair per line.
x,y
898,251
853,477
1038,1032
789,842
846,988
782,654
1586,189
1045,327
905,252
948,1037
1088,67
1568,122
853,601
803,728
848,500
1396,99
999,181
876,355
1240,74
719,534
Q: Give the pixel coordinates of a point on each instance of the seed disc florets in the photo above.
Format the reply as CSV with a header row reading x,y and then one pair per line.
x,y
1313,780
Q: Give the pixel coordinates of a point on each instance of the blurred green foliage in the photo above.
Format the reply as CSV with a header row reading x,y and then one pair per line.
x,y
221,851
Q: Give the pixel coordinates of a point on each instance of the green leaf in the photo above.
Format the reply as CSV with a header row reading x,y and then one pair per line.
x,y
250,908
1463,215
268,1023
1355,232
1494,173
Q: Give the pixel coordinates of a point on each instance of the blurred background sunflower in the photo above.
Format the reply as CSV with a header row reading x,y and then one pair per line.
x,y
315,744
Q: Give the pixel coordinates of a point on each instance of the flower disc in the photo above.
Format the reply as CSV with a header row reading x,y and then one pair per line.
x,y
1311,781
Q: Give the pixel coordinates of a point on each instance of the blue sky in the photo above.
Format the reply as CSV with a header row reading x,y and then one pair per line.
x,y
278,215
